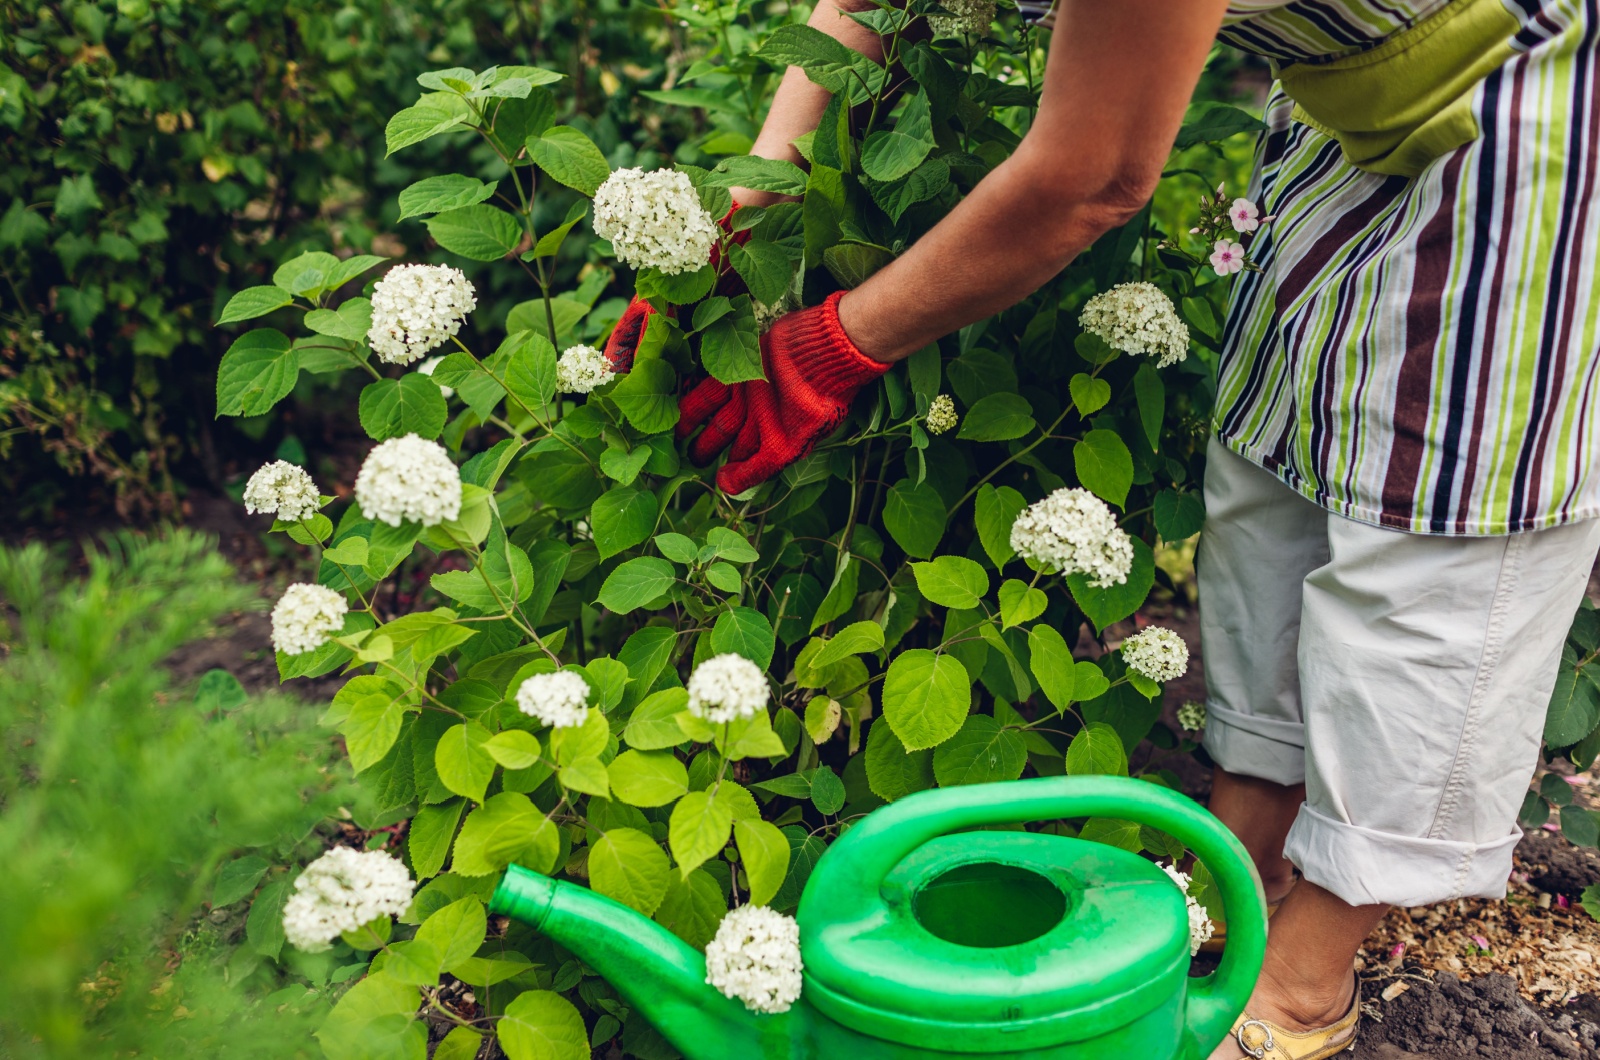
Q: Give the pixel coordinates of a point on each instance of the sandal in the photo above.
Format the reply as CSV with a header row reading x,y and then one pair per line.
x,y
1264,1040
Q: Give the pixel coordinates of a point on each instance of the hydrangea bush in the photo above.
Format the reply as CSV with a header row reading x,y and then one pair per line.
x,y
569,650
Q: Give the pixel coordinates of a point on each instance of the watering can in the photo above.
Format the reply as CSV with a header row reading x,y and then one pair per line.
x,y
921,943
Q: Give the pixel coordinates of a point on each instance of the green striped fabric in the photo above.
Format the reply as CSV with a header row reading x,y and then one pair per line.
x,y
1422,353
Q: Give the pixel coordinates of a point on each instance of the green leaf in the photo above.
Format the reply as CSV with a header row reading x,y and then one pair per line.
x,y
1089,681
1574,703
588,775
370,727
256,373
433,114
892,771
952,581
1104,466
455,932
693,908
526,361
306,274
630,867
443,193
1590,900
351,321
730,545
514,749
636,583
744,631
853,264
429,835
996,510
915,517
926,697
981,752
374,1020
841,595
730,348
1112,832
1179,516
237,879
263,926
889,154
698,829
997,418
349,269
549,244
464,764
253,302
1116,602
570,158
482,233
1051,661
1097,749
1020,603
764,853
764,267
825,61
506,828
648,778
854,639
1089,394
462,1043
622,518
1151,394
758,174
1210,122
510,578
653,723
570,743
542,1025
1580,827
647,652
648,396
412,404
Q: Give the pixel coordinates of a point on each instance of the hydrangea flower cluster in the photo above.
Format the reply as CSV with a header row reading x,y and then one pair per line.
x,y
582,369
727,687
1200,926
1192,716
282,489
966,16
941,415
409,478
341,891
1157,653
654,220
1074,532
755,958
1138,318
415,308
559,700
305,617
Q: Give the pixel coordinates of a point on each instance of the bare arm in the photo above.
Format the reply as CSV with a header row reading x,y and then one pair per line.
x,y
1119,77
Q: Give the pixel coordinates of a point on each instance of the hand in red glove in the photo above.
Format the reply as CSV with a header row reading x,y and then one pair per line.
x,y
624,341
813,371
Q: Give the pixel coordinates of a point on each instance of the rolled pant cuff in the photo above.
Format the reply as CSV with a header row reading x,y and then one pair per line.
x,y
1266,748
1365,867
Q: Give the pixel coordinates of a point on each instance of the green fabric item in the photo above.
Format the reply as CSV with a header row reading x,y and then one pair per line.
x,y
1399,106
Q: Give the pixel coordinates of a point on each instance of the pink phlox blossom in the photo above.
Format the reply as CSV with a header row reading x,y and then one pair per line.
x,y
1244,216
1228,257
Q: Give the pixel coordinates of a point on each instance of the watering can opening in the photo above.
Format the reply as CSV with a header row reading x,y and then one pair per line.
x,y
989,904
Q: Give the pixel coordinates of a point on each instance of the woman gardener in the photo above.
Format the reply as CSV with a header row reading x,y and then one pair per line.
x,y
1402,484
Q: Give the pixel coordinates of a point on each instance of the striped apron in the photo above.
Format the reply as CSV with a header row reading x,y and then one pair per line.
x,y
1421,349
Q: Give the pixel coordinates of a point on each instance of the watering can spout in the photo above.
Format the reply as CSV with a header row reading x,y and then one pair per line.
x,y
658,974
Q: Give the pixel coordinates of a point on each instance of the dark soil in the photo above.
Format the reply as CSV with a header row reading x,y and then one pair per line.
x,y
1479,1018
1555,866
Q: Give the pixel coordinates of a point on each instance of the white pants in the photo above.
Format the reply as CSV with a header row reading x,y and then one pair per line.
x,y
1403,677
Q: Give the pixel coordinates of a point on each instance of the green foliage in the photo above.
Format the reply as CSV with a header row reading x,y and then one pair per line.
x,y
126,805
1572,731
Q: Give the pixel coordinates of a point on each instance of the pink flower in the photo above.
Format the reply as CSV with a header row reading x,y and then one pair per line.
x,y
1227,257
1480,942
1244,215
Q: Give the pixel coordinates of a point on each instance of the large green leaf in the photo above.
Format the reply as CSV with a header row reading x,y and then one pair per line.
x,y
1116,602
1052,664
915,517
254,302
744,631
1104,465
635,583
464,764
1574,703
443,193
892,771
981,752
506,828
889,154
952,581
429,835
825,61
764,855
433,114
730,347
647,396
698,829
1097,749
996,510
375,1020
764,267
542,1025
480,232
997,418
629,866
926,697
569,157
622,518
412,404
1210,122
256,373
648,778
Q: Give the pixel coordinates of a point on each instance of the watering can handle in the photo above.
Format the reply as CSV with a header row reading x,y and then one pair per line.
x,y
854,869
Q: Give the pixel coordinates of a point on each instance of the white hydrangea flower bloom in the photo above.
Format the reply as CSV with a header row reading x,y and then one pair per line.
x,y
1138,318
1159,654
755,958
427,367
727,687
1074,532
559,700
1192,716
966,16
341,891
1200,926
409,478
582,369
941,415
416,308
282,489
654,220
305,617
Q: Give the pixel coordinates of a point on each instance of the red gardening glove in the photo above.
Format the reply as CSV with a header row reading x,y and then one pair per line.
x,y
624,341
813,371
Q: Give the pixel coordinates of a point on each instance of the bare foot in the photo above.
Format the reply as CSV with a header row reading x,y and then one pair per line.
x,y
1294,1007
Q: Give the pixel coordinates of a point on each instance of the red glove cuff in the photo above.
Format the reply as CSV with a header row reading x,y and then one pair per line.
x,y
833,364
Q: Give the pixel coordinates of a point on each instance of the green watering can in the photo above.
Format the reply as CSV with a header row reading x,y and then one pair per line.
x,y
921,943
